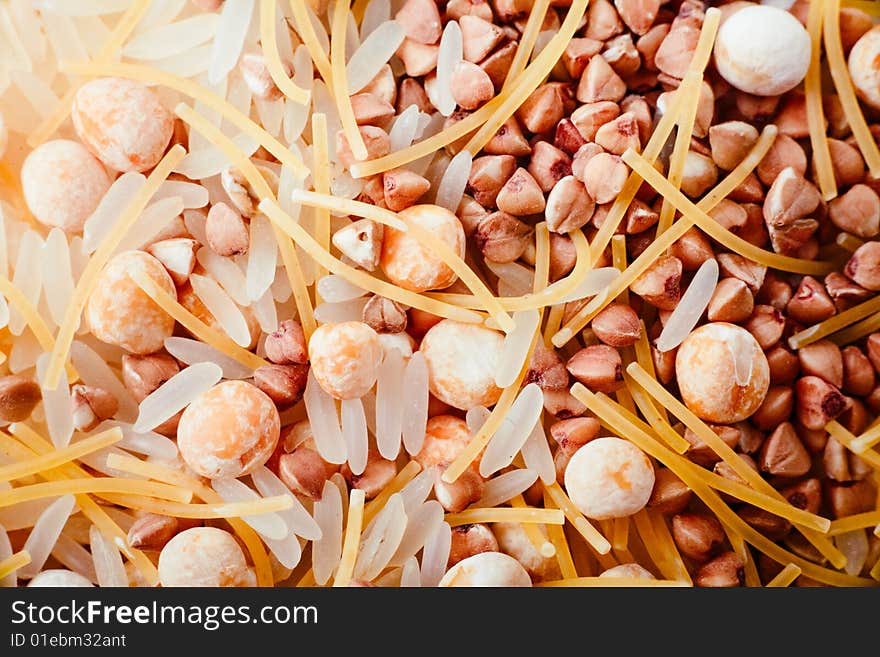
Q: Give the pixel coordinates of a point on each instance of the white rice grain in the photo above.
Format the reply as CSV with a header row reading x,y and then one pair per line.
x,y
270,114
436,555
192,351
189,64
24,514
421,524
73,555
410,577
296,517
515,429
94,371
154,219
417,490
514,279
690,308
335,289
175,394
226,273
45,533
82,7
148,443
56,406
42,99
64,38
57,274
28,275
161,12
262,257
208,162
389,413
173,38
854,545
448,57
193,196
101,221
403,131
500,489
376,13
268,525
415,403
28,28
381,539
321,409
354,433
222,307
266,313
536,455
454,180
596,281
373,54
235,19
109,569
515,348
327,550
5,552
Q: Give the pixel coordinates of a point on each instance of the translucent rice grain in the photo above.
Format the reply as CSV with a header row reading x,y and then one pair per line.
x,y
476,417
282,34
4,241
154,219
28,275
207,162
235,19
94,33
389,413
594,282
323,103
45,533
187,64
94,371
855,546
42,99
296,517
410,577
5,552
415,403
334,289
225,272
270,114
82,7
262,257
373,54
64,38
192,351
175,394
57,274
4,312
454,180
109,568
344,186
222,307
691,306
269,525
515,429
75,557
265,312
148,443
421,524
101,221
403,132
193,196
421,165
516,345
354,433
280,287
321,410
24,514
56,407
376,13
28,28
381,539
24,353
500,489
448,57
436,555
173,38
327,550
417,490
352,38
287,550
514,278
536,455
160,12
296,116
98,461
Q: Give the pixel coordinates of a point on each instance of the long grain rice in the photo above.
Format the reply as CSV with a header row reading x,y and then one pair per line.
x,y
354,433
335,289
82,7
94,371
226,273
175,394
99,224
24,514
56,406
235,20
502,488
454,180
691,306
376,13
373,54
389,413
173,38
28,275
421,524
513,278
381,539
404,129
296,517
148,443
436,555
161,12
45,533
28,28
265,312
268,525
42,99
321,410
209,161
57,274
414,403
854,544
516,346
5,553
154,219
536,455
417,490
222,307
448,57
193,196
64,39
327,550
109,570
515,429
191,63
262,257
75,557
410,577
